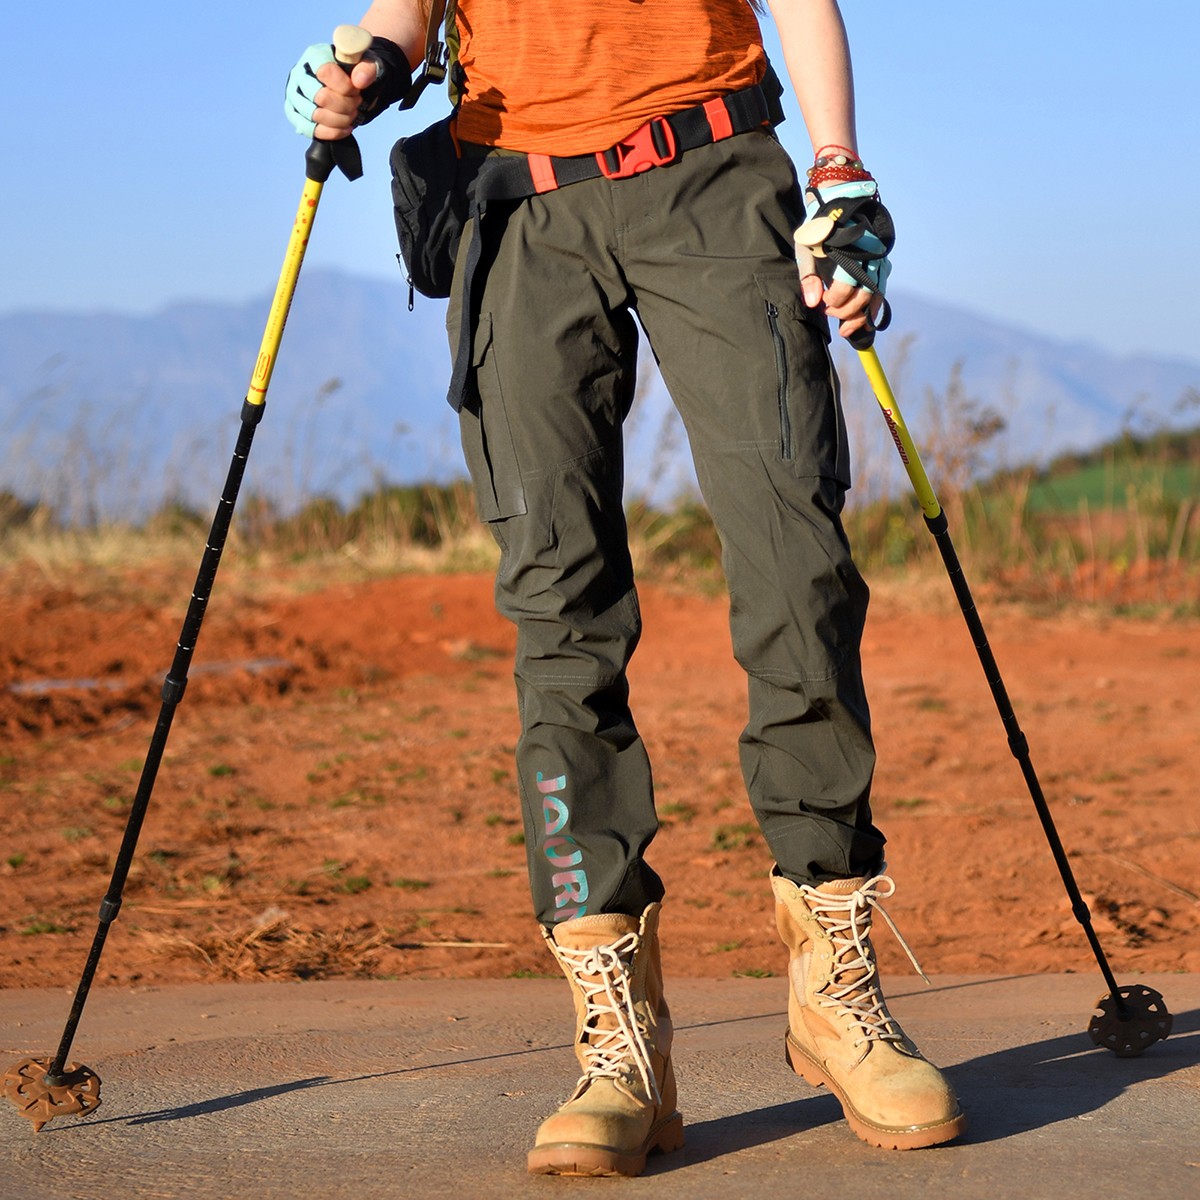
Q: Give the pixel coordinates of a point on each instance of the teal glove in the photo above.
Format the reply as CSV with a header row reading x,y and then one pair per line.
x,y
846,236
299,102
393,79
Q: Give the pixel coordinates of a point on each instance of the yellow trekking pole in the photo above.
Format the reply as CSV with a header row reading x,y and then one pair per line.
x,y
350,42
1129,1019
43,1089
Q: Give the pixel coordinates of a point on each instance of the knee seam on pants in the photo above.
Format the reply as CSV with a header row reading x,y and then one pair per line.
x,y
595,681
774,676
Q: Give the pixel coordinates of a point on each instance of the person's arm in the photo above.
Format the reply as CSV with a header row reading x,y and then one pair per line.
x,y
400,21
817,56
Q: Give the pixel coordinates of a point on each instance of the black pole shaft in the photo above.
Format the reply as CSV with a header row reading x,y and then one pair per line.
x,y
1019,745
172,693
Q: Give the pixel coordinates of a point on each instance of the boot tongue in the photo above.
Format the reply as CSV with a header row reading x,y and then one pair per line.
x,y
844,888
591,946
841,887
597,972
601,929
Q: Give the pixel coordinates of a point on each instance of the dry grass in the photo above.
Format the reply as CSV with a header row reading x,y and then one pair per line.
x,y
1143,552
271,947
1123,527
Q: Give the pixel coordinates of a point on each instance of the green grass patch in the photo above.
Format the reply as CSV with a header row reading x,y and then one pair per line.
x,y
679,809
734,837
39,926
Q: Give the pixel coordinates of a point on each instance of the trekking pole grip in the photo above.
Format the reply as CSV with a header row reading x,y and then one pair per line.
x,y
350,43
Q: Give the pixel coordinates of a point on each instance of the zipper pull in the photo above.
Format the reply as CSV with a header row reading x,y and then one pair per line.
x,y
408,279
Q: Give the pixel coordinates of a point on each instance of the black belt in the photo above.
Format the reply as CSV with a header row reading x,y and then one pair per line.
x,y
658,143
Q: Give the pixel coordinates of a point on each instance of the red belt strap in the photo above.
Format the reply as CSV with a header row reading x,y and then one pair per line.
x,y
541,171
718,119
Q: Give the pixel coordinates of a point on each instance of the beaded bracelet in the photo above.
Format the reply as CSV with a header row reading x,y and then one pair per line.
x,y
850,173
836,160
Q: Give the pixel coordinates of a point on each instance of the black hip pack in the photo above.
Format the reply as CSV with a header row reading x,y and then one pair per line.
x,y
432,191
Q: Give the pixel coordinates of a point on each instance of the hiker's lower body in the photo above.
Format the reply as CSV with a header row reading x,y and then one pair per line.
x,y
700,254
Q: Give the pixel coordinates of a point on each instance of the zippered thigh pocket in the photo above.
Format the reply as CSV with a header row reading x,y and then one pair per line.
x,y
786,449
812,433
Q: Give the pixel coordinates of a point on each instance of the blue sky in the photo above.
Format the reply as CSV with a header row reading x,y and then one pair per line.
x,y
1039,158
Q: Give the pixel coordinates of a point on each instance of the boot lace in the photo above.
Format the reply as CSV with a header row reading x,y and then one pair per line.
x,y
611,1029
854,987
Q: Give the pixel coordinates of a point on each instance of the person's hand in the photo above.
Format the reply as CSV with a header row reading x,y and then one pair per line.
x,y
841,254
852,307
323,100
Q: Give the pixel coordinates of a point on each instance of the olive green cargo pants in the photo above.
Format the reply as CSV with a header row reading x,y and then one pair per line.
x,y
700,253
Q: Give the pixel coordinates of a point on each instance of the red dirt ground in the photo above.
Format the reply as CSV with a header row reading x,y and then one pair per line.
x,y
345,805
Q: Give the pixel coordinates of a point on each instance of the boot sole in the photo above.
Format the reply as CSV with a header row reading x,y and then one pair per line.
x,y
577,1158
904,1137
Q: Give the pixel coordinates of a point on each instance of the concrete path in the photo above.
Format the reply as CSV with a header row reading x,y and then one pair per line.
x,y
434,1089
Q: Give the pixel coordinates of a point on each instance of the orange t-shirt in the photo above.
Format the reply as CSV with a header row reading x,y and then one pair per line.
x,y
575,76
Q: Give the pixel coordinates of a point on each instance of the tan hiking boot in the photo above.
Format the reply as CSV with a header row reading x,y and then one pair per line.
x,y
623,1106
840,1032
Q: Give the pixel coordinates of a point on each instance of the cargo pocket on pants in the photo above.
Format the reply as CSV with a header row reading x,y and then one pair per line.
x,y
487,437
812,430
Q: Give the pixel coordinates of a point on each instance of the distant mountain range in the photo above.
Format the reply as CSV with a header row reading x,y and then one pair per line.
x,y
108,414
